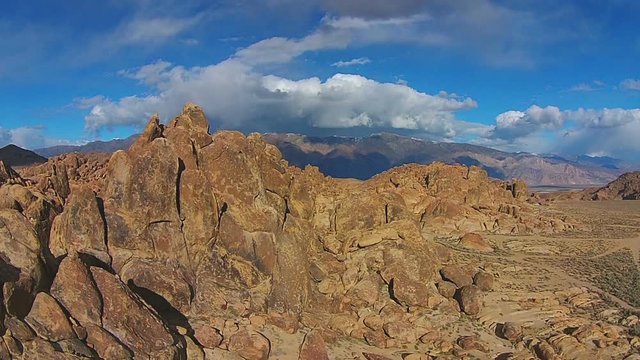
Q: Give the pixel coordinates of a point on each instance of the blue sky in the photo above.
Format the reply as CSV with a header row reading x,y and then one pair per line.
x,y
539,76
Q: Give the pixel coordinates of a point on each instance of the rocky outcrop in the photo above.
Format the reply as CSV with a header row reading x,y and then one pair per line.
x,y
23,268
8,175
80,228
190,242
475,242
81,169
625,187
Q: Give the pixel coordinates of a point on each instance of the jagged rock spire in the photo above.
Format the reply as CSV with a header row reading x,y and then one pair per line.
x,y
152,131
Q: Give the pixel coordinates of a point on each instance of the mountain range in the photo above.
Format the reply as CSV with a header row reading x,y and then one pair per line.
x,y
91,147
364,157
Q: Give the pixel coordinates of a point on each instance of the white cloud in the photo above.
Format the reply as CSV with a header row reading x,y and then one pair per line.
x,y
154,29
618,141
338,33
575,132
630,84
28,137
516,124
604,118
151,74
356,61
141,31
511,125
582,87
586,87
25,137
236,96
87,102
32,137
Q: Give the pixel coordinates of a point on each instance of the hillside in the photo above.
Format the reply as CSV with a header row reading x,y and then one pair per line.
x,y
362,158
16,156
626,187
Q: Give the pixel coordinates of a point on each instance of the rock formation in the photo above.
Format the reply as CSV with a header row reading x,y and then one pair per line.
x,y
625,187
190,244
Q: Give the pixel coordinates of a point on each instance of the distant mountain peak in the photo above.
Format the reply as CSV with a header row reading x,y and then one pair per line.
x,y
15,156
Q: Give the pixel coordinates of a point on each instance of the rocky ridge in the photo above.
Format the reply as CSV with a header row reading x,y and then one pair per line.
x,y
191,245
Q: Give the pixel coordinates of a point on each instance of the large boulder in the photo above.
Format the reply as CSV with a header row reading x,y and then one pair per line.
x,y
470,299
21,260
166,281
510,331
483,280
105,344
48,319
313,347
130,320
457,275
475,242
250,345
75,289
80,227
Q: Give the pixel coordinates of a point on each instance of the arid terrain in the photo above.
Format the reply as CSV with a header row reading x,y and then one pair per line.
x,y
191,245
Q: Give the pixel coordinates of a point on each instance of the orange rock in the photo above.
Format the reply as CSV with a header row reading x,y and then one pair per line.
x,y
313,347
473,241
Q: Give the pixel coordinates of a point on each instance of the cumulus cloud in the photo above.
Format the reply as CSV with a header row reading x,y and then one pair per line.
x,y
516,124
630,84
239,93
356,61
582,131
237,96
603,118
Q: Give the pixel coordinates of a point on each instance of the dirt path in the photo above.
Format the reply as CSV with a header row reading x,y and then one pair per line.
x,y
632,244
